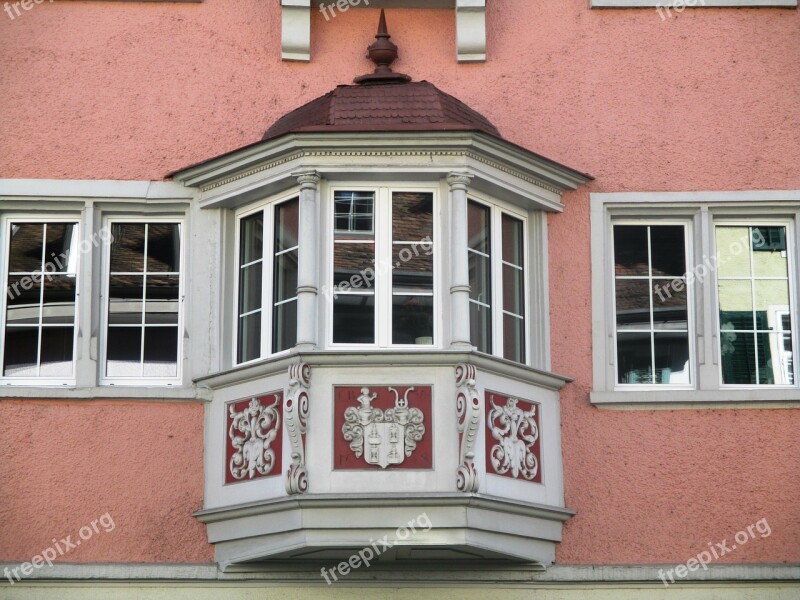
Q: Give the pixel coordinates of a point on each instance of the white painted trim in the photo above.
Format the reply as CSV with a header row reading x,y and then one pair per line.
x,y
702,208
99,189
509,573
692,3
470,25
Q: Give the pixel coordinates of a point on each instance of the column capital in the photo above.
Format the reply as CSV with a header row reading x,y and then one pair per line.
x,y
459,180
307,179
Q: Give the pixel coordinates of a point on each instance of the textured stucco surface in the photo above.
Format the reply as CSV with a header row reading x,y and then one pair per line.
x,y
705,100
66,463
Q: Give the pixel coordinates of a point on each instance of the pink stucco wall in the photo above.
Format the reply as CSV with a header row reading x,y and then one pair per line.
x,y
66,463
705,100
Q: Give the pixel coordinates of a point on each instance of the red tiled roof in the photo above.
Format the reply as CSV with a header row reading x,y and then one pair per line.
x,y
410,106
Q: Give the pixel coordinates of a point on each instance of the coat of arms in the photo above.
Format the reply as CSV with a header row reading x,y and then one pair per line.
x,y
383,437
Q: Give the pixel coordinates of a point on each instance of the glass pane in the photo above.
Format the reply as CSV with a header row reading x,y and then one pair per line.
x,y
672,358
513,338
670,304
249,339
733,251
286,225
776,364
668,251
23,304
163,300
285,276
127,247
284,326
251,238
60,254
478,227
512,240
250,288
125,293
413,269
480,320
124,352
412,320
769,252
480,278
772,298
25,249
513,290
738,358
412,216
630,250
353,262
160,351
57,347
163,247
633,303
634,358
354,319
21,347
354,213
59,299
735,304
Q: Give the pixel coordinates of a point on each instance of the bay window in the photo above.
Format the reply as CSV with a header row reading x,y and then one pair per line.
x,y
498,281
39,316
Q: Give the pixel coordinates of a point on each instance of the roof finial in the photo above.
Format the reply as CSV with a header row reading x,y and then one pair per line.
x,y
383,53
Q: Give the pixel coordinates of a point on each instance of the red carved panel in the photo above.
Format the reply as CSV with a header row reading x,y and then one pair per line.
x,y
513,437
254,438
346,397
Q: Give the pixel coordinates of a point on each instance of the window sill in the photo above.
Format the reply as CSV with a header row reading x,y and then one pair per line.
x,y
139,392
691,399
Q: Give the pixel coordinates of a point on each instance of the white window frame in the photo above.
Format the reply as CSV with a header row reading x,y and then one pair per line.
x,y
496,212
6,221
105,279
690,305
267,282
705,210
791,251
382,226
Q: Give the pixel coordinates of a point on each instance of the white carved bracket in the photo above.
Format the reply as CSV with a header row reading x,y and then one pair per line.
x,y
296,24
468,410
295,414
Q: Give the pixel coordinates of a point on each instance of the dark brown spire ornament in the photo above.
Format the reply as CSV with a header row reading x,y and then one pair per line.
x,y
383,53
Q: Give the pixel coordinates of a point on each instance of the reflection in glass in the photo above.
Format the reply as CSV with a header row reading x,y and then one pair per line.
x,y
412,320
249,338
354,319
284,282
513,338
480,275
40,300
354,212
160,352
631,250
412,216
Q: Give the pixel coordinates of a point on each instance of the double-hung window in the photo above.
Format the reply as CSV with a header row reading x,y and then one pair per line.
x,y
498,281
267,280
39,307
694,298
382,276
143,302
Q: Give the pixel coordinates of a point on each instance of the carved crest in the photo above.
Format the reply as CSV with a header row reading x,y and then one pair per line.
x,y
383,437
516,432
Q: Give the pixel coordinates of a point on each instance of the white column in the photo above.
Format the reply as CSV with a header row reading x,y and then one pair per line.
x,y
459,266
307,267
